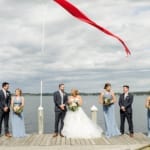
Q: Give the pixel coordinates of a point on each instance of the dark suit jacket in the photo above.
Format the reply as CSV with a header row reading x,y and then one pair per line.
x,y
127,103
57,100
5,101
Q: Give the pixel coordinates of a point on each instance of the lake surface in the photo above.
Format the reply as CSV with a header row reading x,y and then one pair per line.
x,y
32,104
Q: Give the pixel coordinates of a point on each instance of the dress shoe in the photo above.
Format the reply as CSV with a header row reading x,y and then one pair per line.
x,y
55,135
62,135
8,135
131,135
122,133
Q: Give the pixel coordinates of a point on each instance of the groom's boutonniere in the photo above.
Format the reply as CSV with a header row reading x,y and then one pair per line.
x,y
7,93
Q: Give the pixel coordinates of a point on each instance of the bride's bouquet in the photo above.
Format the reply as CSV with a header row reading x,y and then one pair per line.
x,y
107,101
73,106
17,109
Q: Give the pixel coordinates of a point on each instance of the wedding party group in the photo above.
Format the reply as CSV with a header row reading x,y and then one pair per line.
x,y
72,122
70,119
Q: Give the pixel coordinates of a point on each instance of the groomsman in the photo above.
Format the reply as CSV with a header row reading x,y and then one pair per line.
x,y
5,100
125,103
60,101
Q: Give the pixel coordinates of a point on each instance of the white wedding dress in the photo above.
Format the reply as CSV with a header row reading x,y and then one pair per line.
x,y
78,125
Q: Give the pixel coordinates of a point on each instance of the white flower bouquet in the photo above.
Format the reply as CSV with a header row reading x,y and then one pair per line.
x,y
17,109
107,101
73,106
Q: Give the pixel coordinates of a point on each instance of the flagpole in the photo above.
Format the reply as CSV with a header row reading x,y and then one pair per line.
x,y
41,94
41,109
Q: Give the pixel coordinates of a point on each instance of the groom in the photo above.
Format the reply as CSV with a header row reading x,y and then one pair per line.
x,y
60,101
5,100
125,103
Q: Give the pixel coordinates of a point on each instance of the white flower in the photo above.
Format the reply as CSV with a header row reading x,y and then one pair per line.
x,y
74,104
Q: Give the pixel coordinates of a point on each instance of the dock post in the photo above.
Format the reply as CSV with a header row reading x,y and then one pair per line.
x,y
40,120
94,113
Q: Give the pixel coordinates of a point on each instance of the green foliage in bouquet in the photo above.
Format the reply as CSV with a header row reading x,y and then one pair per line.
x,y
73,106
18,109
107,101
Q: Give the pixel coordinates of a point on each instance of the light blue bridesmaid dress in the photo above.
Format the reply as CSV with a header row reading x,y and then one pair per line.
x,y
109,117
18,127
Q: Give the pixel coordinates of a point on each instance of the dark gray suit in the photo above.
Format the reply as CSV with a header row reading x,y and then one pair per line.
x,y
59,113
4,102
127,103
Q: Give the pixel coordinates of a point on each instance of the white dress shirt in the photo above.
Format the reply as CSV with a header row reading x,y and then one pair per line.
x,y
125,95
62,96
4,91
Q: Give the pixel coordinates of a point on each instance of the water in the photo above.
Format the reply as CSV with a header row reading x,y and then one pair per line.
x,y
32,104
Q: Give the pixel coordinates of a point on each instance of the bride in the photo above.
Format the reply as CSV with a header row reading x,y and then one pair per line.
x,y
76,123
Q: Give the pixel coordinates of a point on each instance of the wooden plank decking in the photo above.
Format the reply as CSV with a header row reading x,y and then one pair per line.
x,y
46,140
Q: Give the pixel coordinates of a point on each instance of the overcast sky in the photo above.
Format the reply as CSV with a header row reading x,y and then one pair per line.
x,y
75,53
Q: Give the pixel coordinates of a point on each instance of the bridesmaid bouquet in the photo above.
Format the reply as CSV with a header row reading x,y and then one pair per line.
x,y
73,106
17,109
107,101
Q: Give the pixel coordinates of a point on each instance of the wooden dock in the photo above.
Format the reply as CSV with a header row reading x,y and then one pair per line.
x,y
46,141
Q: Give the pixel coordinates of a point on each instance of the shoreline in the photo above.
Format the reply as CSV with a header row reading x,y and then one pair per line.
x,y
86,94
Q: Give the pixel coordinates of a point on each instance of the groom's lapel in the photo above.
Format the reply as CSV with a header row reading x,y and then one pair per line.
x,y
59,95
65,94
123,97
4,95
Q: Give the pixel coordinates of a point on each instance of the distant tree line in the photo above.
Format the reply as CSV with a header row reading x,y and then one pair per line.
x,y
87,94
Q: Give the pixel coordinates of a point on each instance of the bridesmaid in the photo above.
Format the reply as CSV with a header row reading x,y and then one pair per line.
x,y
109,111
147,105
17,105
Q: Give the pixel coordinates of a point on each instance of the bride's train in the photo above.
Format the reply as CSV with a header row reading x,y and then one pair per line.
x,y
78,125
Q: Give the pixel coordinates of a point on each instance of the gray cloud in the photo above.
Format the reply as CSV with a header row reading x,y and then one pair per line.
x,y
75,53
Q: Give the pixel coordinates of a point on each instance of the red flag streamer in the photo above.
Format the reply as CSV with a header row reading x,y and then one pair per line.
x,y
78,14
